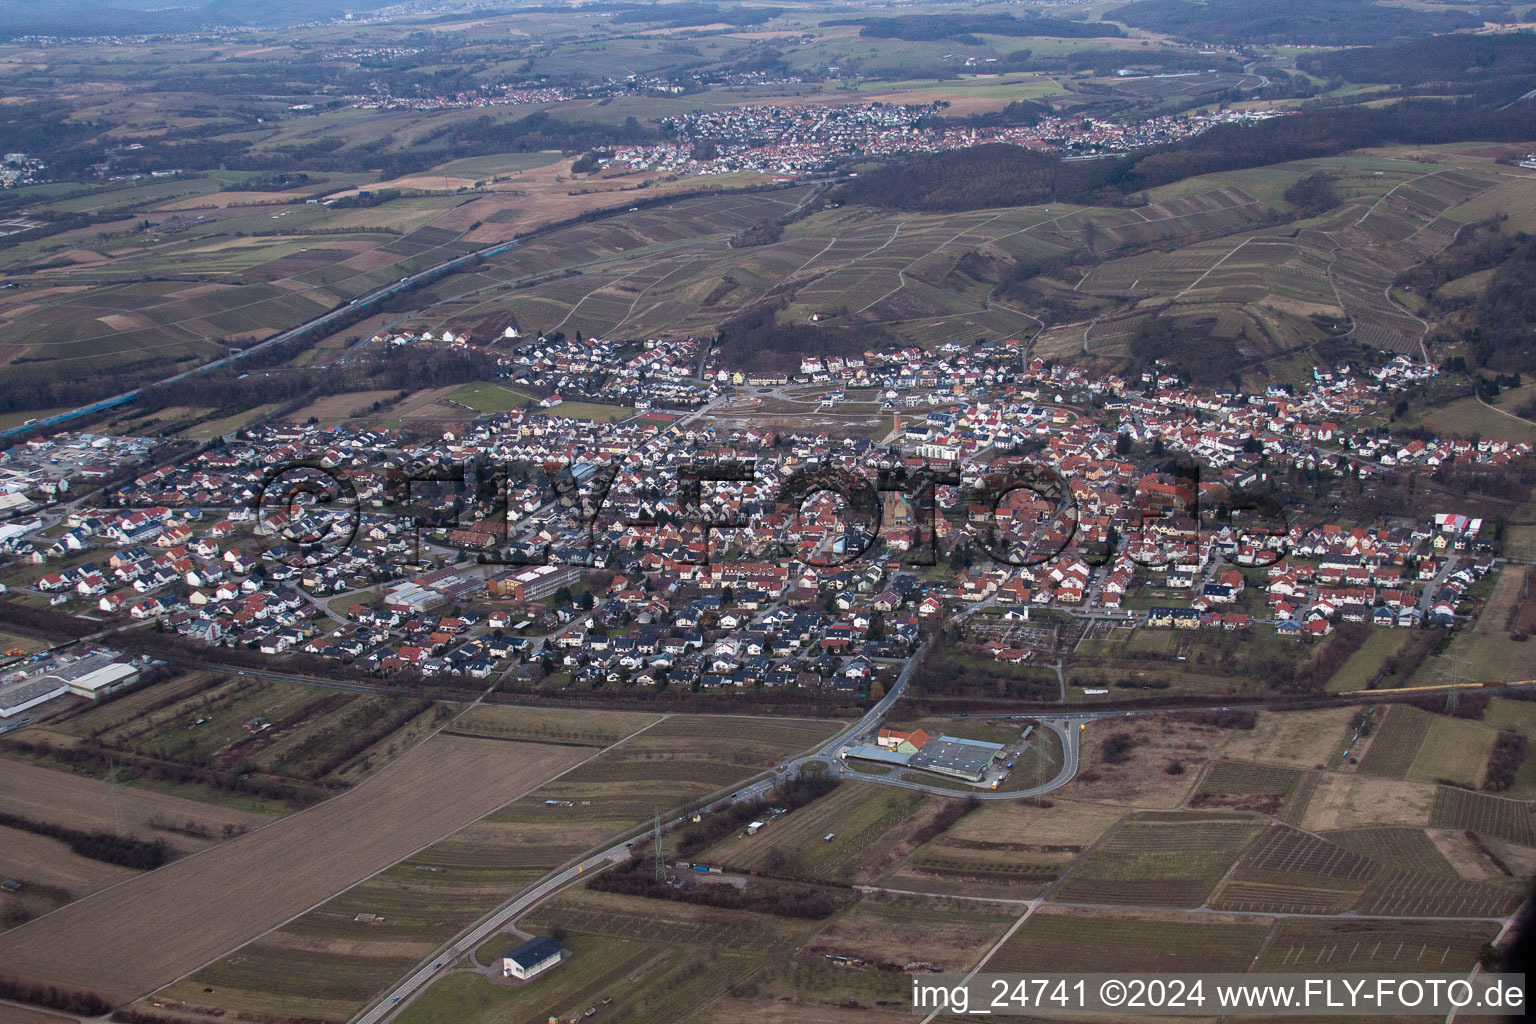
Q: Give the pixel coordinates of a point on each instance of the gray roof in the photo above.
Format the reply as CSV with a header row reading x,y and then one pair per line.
x,y
951,755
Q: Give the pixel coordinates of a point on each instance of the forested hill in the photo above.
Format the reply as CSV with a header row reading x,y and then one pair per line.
x,y
1313,22
1494,67
1003,175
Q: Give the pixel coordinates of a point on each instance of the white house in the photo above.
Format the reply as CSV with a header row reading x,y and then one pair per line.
x,y
532,958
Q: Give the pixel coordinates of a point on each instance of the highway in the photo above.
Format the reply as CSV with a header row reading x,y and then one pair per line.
x,y
367,299
362,302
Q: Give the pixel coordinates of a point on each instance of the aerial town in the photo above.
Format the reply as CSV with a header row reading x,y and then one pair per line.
x,y
698,512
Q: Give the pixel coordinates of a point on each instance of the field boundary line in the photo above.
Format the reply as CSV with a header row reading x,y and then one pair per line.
x,y
1034,905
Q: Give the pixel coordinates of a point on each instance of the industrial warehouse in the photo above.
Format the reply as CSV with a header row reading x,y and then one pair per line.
x,y
92,673
950,756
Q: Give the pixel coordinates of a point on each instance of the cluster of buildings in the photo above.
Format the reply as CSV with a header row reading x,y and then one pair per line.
x,y
659,374
513,94
635,591
951,756
45,468
650,375
795,138
20,169
83,670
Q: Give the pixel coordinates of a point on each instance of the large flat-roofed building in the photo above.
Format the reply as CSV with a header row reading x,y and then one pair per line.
x,y
960,758
21,694
95,676
412,599
881,755
532,958
535,582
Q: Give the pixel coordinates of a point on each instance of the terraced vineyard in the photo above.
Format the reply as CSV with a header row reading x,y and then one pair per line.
x,y
1408,849
1237,777
1089,942
1422,894
1294,809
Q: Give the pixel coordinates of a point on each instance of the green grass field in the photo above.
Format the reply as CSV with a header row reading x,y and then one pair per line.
x,y
1361,667
490,398
860,817
1454,750
1172,860
590,411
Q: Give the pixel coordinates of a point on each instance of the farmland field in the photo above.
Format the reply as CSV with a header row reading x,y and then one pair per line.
x,y
1404,848
274,872
1396,742
1350,801
1291,871
890,928
288,730
635,917
549,725
50,873
860,817
1486,815
1229,777
1455,750
1518,717
1424,894
1372,946
1006,848
413,906
1298,739
1159,859
1080,940
657,981
47,795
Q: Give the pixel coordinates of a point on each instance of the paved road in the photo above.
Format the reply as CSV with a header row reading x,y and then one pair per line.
x,y
417,981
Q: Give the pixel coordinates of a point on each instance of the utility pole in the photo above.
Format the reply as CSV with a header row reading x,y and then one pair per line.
x,y
1453,670
661,860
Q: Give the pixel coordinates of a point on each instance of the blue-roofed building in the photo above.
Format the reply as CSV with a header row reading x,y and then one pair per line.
x,y
532,958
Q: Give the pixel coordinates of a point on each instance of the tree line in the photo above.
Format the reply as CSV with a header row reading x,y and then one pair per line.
x,y
124,851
